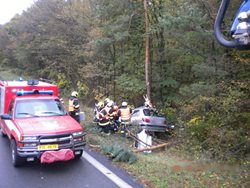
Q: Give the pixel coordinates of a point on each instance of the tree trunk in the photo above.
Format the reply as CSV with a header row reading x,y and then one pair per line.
x,y
147,56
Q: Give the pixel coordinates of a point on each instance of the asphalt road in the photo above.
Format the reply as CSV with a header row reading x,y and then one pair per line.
x,y
72,174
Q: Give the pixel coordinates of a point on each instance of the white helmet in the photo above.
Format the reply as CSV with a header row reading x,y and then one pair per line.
x,y
110,103
100,104
124,104
106,101
74,94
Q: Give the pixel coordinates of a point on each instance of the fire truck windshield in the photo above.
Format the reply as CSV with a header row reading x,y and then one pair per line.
x,y
39,108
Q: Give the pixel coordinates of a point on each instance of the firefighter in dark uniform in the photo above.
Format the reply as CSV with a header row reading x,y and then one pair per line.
x,y
104,118
74,107
114,118
98,107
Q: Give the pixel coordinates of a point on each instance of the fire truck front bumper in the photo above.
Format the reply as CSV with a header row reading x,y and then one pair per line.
x,y
35,149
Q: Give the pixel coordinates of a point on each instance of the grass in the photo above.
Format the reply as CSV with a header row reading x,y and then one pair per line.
x,y
172,167
163,170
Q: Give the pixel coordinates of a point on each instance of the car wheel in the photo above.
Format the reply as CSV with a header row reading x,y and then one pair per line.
x,y
16,160
78,156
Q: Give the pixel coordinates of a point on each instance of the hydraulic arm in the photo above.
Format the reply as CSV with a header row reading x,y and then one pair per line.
x,y
240,29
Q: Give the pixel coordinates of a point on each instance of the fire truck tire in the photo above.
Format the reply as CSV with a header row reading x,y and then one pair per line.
x,y
2,133
78,156
16,160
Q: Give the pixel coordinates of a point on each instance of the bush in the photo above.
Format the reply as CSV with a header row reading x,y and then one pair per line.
x,y
119,153
219,123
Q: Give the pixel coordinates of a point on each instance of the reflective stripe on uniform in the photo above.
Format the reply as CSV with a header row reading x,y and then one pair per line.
x,y
104,124
71,107
106,116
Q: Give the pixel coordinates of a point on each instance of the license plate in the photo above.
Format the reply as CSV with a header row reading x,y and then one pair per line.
x,y
47,147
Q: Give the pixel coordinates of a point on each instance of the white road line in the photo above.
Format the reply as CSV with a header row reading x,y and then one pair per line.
x,y
118,181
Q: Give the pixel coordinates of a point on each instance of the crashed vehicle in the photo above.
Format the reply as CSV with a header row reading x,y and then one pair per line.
x,y
149,119
37,124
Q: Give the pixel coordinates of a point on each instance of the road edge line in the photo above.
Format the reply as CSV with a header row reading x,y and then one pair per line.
x,y
109,174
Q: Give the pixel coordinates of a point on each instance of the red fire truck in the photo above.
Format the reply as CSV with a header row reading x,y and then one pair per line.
x,y
37,124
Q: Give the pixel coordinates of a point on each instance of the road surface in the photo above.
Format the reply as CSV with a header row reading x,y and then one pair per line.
x,y
92,170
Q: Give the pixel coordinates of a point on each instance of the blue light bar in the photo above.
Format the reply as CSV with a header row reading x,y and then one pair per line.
x,y
46,92
43,92
20,93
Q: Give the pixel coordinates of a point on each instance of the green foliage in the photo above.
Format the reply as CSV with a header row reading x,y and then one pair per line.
x,y
198,89
170,114
212,72
119,153
218,122
82,89
169,82
130,85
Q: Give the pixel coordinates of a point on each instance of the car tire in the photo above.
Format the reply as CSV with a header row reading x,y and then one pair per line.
x,y
16,160
78,156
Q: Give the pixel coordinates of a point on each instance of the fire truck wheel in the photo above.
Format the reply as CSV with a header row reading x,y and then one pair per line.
x,y
16,160
2,133
78,156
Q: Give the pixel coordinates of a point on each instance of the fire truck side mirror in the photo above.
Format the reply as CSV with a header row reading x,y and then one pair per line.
x,y
6,116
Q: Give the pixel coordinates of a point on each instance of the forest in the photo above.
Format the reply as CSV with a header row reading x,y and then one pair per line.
x,y
97,47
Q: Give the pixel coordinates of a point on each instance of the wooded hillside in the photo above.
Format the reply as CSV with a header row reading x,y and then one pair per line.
x,y
97,48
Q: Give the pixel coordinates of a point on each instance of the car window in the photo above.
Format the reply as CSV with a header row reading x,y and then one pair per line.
x,y
135,113
151,112
32,108
146,112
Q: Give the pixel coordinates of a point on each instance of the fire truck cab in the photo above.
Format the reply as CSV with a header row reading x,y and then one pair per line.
x,y
37,123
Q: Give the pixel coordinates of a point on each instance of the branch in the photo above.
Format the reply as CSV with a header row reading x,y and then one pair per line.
x,y
152,147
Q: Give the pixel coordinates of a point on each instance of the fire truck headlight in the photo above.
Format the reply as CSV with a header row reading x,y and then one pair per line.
x,y
79,133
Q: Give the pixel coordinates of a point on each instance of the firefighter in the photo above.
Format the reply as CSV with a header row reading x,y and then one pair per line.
x,y
106,101
115,111
115,118
74,107
114,124
98,107
104,118
124,112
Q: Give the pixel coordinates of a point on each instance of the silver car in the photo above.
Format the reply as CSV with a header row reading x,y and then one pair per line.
x,y
149,119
